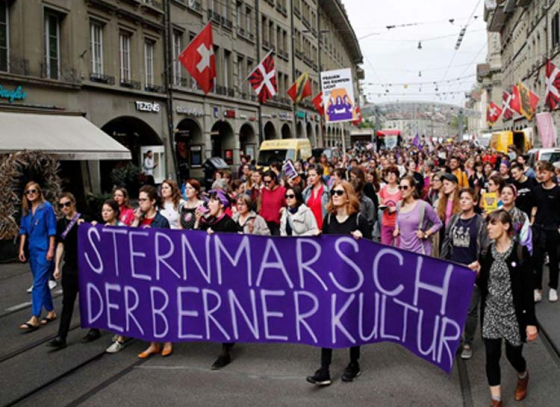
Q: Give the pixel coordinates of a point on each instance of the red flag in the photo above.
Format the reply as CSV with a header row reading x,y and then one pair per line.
x,y
552,80
198,58
263,78
359,117
493,112
527,101
300,89
318,102
515,102
507,111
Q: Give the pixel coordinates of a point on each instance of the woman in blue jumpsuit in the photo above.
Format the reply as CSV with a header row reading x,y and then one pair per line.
x,y
38,227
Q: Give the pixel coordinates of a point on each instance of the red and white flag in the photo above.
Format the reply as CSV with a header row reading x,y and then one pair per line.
x,y
507,111
552,95
263,78
318,103
515,102
359,117
199,59
493,112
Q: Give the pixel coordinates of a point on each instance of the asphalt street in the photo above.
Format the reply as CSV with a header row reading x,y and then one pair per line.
x,y
31,374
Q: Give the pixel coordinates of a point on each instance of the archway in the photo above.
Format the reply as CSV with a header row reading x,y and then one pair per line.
x,y
286,131
299,130
269,131
248,140
310,135
139,137
222,139
189,146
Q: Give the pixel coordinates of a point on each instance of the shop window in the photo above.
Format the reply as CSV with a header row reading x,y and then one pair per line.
x,y
4,36
52,45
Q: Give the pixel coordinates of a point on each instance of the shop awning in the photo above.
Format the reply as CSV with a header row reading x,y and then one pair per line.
x,y
68,137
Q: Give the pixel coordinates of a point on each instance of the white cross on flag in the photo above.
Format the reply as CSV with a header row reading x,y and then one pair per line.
x,y
493,112
263,79
507,111
198,58
552,95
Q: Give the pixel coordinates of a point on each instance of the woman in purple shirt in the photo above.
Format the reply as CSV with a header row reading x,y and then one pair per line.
x,y
413,216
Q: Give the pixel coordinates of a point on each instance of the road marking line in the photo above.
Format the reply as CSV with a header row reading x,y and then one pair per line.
x,y
19,306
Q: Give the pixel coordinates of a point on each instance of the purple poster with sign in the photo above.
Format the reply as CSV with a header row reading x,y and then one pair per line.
x,y
328,291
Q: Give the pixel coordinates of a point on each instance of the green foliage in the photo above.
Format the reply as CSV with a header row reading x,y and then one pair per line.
x,y
95,203
127,177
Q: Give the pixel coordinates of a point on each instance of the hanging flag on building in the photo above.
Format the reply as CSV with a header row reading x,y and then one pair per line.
x,y
358,114
507,111
318,103
199,59
552,80
263,78
527,101
493,112
515,100
300,89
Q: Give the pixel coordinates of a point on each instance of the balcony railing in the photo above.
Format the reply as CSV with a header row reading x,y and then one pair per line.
x,y
101,78
189,82
150,87
154,3
226,23
266,44
306,23
212,15
231,92
307,60
299,53
297,12
130,84
17,66
193,5
220,90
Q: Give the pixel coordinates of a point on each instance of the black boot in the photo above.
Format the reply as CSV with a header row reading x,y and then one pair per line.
x,y
351,372
91,336
322,377
58,343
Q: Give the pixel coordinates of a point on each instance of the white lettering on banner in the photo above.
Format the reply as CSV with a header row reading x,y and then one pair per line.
x,y
373,333
243,247
444,338
158,312
161,258
129,309
305,264
208,313
89,288
90,232
335,316
301,318
134,254
278,264
433,347
234,303
382,333
204,271
406,307
185,313
353,266
114,232
110,306
376,261
442,291
269,314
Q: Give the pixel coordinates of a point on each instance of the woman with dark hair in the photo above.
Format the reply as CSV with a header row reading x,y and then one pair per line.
x,y
343,218
368,189
508,308
297,219
212,220
316,195
495,185
413,217
390,195
248,220
147,216
120,195
38,228
521,227
171,202
67,248
339,174
367,208
187,213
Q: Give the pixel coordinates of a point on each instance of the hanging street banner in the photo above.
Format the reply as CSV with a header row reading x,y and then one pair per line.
x,y
338,96
547,130
328,291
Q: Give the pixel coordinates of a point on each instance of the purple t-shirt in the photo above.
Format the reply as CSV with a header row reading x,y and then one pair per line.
x,y
409,223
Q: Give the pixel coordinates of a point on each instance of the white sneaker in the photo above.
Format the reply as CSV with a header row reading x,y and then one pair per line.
x,y
30,289
538,296
552,295
52,284
115,347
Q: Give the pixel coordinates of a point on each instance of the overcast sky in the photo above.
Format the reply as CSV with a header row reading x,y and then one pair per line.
x,y
392,56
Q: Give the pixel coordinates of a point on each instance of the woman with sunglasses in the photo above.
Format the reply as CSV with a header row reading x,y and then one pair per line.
x,y
120,195
214,219
343,218
67,248
507,304
248,220
38,229
297,219
147,216
413,217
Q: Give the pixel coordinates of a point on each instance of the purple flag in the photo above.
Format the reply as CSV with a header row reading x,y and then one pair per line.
x,y
328,291
416,142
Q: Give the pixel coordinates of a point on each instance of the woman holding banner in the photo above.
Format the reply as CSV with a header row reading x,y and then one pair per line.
x,y
343,218
297,219
215,219
247,220
147,216
508,308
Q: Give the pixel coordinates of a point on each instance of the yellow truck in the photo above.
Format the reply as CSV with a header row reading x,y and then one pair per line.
x,y
281,150
521,140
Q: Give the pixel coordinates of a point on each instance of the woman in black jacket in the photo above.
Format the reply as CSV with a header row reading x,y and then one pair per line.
x,y
508,308
343,218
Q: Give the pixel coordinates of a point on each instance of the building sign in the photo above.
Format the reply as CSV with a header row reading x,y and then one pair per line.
x,y
151,107
266,116
338,96
216,110
283,116
230,114
300,114
12,94
252,119
189,111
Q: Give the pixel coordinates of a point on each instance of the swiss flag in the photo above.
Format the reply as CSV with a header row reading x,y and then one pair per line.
x,y
318,103
552,94
359,117
507,111
198,58
515,102
493,112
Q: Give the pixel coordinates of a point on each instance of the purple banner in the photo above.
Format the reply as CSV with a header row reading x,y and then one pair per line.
x,y
328,291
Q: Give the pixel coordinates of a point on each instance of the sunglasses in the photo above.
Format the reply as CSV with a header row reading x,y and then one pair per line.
x,y
338,192
267,182
65,204
31,191
290,196
403,187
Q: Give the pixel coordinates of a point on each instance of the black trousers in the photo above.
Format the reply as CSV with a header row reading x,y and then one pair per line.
x,y
326,356
493,354
546,241
274,228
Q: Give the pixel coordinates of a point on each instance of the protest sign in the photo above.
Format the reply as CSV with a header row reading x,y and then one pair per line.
x,y
338,96
328,291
